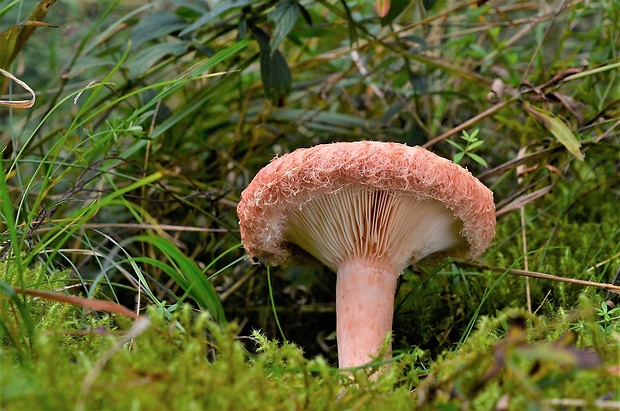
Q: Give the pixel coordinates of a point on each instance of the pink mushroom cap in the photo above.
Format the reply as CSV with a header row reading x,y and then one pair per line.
x,y
293,180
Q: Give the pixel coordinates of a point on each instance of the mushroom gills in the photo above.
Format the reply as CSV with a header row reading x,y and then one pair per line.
x,y
392,229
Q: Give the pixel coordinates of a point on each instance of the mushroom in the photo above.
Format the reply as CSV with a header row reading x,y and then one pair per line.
x,y
367,210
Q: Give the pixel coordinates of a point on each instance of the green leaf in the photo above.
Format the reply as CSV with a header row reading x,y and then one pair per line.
x,y
558,128
219,9
85,63
458,157
429,4
475,144
305,14
155,26
419,83
198,104
320,120
604,307
274,70
457,145
351,23
188,275
477,50
477,159
145,58
243,27
284,16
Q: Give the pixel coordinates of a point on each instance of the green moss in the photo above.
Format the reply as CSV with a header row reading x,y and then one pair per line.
x,y
529,366
190,362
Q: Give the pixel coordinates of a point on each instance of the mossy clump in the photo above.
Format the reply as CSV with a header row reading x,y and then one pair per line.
x,y
522,361
188,361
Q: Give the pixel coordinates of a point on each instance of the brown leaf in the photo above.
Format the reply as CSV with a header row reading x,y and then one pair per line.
x,y
13,40
562,75
557,127
571,105
36,24
18,103
497,91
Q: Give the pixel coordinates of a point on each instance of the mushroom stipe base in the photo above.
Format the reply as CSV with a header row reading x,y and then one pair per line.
x,y
365,307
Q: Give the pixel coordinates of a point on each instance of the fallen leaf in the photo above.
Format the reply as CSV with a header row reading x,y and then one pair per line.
x,y
557,127
571,105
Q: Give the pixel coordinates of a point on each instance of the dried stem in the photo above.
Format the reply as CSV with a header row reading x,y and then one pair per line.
x,y
609,287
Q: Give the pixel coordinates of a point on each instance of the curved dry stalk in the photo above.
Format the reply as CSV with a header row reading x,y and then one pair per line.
x,y
608,287
93,304
18,103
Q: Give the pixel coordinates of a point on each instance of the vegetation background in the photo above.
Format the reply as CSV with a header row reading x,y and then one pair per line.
x,y
119,186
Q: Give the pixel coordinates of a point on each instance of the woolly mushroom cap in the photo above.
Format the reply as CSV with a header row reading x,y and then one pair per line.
x,y
375,201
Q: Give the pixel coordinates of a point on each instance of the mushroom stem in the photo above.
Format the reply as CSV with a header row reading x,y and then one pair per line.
x,y
364,311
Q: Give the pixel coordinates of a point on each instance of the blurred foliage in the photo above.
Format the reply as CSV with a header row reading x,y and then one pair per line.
x,y
152,117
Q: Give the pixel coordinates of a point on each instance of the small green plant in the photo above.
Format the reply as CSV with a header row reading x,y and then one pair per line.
x,y
472,143
609,316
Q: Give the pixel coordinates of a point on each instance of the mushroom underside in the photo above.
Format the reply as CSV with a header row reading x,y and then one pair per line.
x,y
393,230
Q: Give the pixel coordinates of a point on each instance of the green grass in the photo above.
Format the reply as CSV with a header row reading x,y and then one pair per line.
x,y
119,188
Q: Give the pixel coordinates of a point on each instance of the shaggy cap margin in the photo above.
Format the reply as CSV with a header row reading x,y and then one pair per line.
x,y
293,179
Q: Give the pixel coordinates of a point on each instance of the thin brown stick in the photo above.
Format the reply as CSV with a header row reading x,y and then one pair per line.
x,y
609,287
469,122
528,295
99,305
602,263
